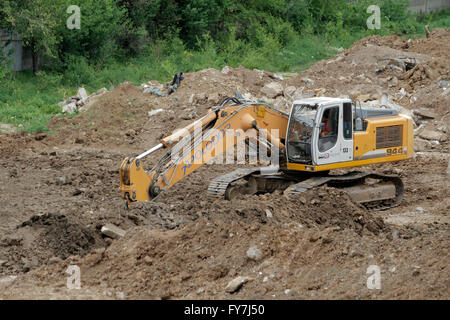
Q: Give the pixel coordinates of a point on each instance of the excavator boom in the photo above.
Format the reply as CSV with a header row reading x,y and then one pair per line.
x,y
200,142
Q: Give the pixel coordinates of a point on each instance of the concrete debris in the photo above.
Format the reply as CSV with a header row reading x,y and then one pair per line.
x,y
425,113
308,81
70,108
272,90
429,134
82,93
235,284
277,76
112,231
156,91
421,145
155,112
289,91
254,253
81,102
226,70
54,260
61,180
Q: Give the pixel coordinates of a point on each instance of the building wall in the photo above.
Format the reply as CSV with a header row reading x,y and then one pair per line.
x,y
20,57
428,5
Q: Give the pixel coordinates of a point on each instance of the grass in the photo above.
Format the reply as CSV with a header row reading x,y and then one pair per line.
x,y
29,101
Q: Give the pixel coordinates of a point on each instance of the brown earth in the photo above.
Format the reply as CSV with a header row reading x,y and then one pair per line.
x,y
58,190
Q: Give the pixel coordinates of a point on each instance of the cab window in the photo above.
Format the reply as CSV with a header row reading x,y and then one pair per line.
x,y
329,126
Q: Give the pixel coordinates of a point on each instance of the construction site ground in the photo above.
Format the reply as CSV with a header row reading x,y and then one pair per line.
x,y
58,189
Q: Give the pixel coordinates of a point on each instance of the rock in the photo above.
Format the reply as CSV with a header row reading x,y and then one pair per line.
x,y
120,295
201,98
156,91
364,97
420,210
425,113
429,72
272,90
393,82
200,290
61,181
298,94
280,103
254,253
2,262
308,81
429,134
148,260
320,92
70,108
421,145
155,112
289,91
112,231
288,292
269,215
7,281
226,70
214,98
277,76
191,98
443,84
54,260
82,93
394,233
235,284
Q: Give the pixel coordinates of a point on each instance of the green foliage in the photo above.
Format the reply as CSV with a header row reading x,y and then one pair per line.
x,y
103,24
78,72
137,40
35,20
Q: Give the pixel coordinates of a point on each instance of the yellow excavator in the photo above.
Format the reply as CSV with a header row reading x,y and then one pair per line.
x,y
319,135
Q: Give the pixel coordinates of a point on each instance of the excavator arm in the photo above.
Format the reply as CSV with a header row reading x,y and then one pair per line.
x,y
198,143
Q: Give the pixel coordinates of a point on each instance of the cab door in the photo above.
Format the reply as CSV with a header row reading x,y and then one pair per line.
x,y
334,137
347,132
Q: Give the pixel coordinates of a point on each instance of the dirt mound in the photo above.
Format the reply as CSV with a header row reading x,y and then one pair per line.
x,y
321,208
45,236
63,237
120,117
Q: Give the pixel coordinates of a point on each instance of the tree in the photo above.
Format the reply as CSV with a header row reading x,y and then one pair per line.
x,y
36,21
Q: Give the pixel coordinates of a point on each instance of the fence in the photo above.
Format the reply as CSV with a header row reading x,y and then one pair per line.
x,y
427,6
